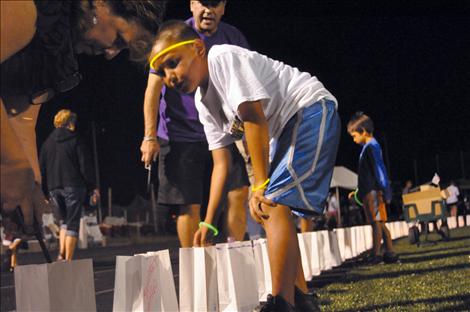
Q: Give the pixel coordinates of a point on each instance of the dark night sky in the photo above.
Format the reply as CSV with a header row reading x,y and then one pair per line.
x,y
406,67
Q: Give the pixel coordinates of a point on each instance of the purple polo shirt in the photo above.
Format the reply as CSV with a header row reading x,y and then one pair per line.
x,y
179,120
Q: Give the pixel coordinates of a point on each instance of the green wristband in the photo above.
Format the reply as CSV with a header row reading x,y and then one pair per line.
x,y
357,199
210,227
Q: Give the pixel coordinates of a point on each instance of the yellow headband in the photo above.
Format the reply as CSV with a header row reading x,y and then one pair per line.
x,y
164,51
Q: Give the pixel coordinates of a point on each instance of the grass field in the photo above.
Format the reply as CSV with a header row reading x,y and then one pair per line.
x,y
429,278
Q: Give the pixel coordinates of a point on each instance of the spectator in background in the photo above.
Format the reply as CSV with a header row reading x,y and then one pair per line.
x,y
407,188
453,200
332,210
67,172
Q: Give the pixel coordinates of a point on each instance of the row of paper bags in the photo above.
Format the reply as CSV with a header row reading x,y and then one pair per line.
x,y
232,276
226,277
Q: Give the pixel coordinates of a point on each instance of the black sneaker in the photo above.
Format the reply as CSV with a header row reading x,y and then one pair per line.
x,y
306,302
372,260
277,304
390,257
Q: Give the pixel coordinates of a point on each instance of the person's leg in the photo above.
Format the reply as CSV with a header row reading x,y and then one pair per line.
x,y
283,251
387,238
70,244
13,258
62,235
300,277
187,223
306,225
368,205
60,211
74,198
453,210
371,210
236,212
14,249
376,238
181,180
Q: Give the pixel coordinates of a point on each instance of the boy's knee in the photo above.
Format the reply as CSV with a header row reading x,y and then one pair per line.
x,y
277,211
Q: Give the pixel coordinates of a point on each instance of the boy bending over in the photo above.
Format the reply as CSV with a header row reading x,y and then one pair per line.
x,y
243,93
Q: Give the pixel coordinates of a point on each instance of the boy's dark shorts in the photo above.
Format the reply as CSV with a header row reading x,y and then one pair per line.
x,y
183,168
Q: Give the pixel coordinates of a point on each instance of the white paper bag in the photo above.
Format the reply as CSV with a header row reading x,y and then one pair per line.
x,y
127,283
361,240
263,270
341,246
236,277
58,286
305,254
461,221
468,220
315,254
326,259
354,250
334,249
89,231
404,228
145,283
368,236
198,279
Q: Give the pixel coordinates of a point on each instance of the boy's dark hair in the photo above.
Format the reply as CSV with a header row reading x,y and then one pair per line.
x,y
176,30
360,122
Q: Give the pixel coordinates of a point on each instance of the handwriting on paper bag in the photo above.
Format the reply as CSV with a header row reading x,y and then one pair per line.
x,y
150,287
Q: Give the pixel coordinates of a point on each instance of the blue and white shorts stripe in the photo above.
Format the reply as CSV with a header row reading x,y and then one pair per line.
x,y
304,159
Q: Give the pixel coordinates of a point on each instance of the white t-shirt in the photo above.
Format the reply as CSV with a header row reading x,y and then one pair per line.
x,y
453,194
238,75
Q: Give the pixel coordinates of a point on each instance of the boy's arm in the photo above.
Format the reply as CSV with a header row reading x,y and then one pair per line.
x,y
376,164
220,171
257,139
150,146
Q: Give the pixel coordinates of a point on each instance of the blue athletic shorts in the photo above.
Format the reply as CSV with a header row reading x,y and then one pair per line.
x,y
304,159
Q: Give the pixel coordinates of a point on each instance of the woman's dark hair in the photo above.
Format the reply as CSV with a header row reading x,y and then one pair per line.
x,y
360,122
147,13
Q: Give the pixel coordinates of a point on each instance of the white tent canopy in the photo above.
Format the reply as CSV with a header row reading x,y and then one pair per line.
x,y
344,178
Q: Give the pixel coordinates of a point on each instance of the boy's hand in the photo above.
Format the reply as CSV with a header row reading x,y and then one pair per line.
x,y
202,237
256,201
351,194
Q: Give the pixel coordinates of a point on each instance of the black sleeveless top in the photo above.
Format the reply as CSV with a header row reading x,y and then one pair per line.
x,y
48,62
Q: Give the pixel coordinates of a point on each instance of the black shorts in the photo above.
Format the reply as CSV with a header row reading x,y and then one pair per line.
x,y
181,172
69,202
238,176
184,172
